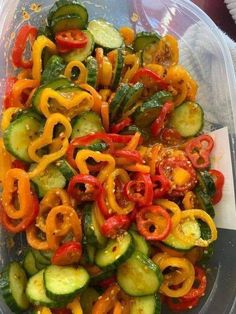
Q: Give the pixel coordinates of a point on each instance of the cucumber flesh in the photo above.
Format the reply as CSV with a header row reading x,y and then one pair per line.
x,y
29,264
105,35
140,243
92,67
150,304
187,119
53,69
145,38
67,22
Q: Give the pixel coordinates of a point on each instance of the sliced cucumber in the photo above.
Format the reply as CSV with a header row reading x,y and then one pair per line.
x,y
140,243
51,178
67,22
148,54
150,304
92,67
39,257
53,69
29,264
207,254
63,283
132,96
87,300
204,201
36,292
206,182
176,243
58,83
105,35
116,104
67,171
91,253
21,132
145,38
139,276
87,123
81,54
150,109
13,283
68,7
115,252
187,119
118,68
91,227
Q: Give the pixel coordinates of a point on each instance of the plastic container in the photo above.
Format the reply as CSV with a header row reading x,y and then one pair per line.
x,y
204,53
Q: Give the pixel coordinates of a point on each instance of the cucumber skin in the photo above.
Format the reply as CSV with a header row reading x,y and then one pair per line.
x,y
55,67
118,69
32,268
92,67
116,104
151,36
205,201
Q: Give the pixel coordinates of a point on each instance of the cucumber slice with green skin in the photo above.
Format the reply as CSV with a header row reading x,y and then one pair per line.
x,y
13,283
140,243
115,252
54,68
92,67
67,171
63,283
68,7
20,133
87,300
91,253
206,182
49,179
91,228
39,257
187,119
67,22
204,201
176,243
45,31
105,35
58,83
116,104
118,68
207,254
132,96
145,38
36,292
150,304
150,109
81,54
29,264
104,274
139,276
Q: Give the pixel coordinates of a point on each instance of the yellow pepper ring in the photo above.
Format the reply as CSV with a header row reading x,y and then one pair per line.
x,y
75,306
174,208
110,187
83,71
106,73
194,214
134,62
34,241
84,154
7,117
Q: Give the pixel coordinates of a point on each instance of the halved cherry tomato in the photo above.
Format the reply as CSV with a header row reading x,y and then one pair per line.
x,y
149,78
170,136
159,123
161,185
71,39
116,128
179,305
219,180
198,151
8,100
153,222
201,280
67,254
115,225
25,33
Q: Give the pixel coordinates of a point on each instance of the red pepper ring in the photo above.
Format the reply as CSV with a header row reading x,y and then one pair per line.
x,y
71,39
200,278
116,128
198,152
101,202
148,77
219,180
150,227
180,305
159,123
122,139
67,254
115,225
8,101
129,155
24,223
79,195
161,185
25,33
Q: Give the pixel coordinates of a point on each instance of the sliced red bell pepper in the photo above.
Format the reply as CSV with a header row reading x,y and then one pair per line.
x,y
161,185
201,280
67,254
159,123
71,39
140,190
106,283
13,227
149,78
122,139
101,201
128,155
219,180
198,151
180,305
8,100
92,188
117,128
132,215
20,165
148,223
115,225
166,168
27,32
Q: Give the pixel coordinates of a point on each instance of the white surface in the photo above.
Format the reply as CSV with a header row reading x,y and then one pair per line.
x,y
231,5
